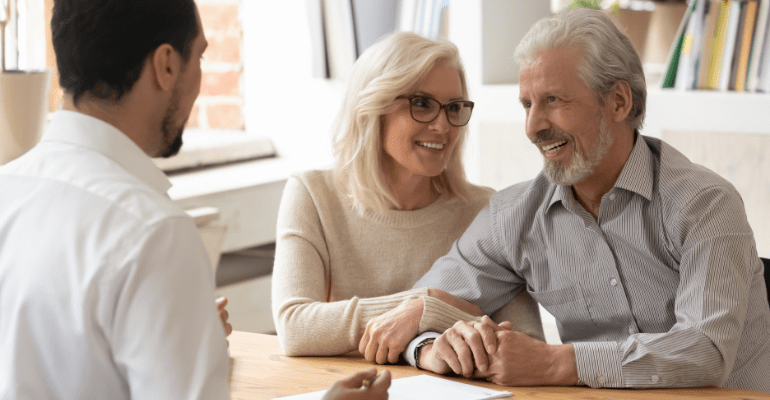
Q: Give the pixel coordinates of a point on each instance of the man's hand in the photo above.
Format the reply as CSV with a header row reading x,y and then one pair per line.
x,y
523,361
224,315
463,347
388,335
350,388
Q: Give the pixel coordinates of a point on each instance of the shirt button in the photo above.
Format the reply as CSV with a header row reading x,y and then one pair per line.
x,y
602,380
631,330
613,281
654,379
612,196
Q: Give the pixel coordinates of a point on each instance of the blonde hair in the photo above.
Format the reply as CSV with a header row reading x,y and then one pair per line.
x,y
392,67
607,53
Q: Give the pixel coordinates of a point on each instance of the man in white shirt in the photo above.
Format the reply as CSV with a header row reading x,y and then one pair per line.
x,y
105,287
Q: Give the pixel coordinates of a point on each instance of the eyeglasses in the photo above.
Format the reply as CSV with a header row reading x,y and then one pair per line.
x,y
426,109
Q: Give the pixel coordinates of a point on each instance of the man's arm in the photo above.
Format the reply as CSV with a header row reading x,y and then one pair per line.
x,y
474,274
476,269
717,261
165,333
717,264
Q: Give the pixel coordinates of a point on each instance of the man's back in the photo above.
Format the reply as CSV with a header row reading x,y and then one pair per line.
x,y
104,286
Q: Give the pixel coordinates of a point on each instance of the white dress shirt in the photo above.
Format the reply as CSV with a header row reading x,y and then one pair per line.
x,y
105,287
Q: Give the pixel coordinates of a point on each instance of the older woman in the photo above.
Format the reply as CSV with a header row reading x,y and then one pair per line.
x,y
353,240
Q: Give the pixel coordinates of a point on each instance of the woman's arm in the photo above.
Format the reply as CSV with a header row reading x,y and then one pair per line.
x,y
305,322
455,302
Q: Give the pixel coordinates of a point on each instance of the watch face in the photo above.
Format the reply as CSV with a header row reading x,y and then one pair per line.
x,y
417,348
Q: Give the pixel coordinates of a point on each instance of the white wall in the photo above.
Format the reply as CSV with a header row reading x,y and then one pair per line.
x,y
282,99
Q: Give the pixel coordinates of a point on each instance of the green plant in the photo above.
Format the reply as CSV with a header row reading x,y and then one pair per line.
x,y
595,4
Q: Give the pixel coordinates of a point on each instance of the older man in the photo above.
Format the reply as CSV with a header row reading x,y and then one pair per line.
x,y
646,260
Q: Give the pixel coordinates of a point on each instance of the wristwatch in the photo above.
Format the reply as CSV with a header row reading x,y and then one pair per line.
x,y
417,348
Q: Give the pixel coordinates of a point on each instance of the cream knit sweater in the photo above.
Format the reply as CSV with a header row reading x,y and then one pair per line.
x,y
335,268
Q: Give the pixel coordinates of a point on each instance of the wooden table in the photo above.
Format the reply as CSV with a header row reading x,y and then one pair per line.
x,y
260,370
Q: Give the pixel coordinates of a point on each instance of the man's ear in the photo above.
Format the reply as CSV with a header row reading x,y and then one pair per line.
x,y
166,66
620,101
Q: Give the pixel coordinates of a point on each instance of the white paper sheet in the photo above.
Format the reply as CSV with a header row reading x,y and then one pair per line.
x,y
424,387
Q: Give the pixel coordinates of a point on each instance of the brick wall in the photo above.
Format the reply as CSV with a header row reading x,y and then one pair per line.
x,y
220,104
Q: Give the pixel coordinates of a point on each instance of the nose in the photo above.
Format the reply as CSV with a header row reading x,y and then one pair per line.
x,y
441,123
537,120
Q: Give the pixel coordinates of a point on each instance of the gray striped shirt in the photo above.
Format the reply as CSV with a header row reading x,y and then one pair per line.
x,y
665,289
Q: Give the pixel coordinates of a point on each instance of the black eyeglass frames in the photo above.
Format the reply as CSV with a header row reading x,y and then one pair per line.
x,y
426,109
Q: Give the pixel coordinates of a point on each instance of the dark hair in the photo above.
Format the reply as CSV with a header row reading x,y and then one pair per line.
x,y
101,45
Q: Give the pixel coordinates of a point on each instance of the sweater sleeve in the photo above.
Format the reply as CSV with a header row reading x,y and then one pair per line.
x,y
524,313
438,316
308,325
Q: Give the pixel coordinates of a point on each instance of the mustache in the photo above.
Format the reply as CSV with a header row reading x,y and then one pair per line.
x,y
549,134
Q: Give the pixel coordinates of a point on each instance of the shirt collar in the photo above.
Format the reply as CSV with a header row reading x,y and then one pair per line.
x,y
636,176
82,130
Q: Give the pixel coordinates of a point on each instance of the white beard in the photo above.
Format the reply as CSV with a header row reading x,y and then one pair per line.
x,y
581,165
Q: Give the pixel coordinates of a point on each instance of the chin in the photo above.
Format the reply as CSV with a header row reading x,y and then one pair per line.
x,y
173,148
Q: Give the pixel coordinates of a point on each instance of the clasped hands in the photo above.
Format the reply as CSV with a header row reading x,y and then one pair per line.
x,y
387,335
474,349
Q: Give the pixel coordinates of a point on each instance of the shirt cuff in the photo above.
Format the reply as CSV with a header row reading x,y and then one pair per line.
x,y
599,364
409,352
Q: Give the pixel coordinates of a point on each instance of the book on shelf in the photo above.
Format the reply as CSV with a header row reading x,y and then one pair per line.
x,y
746,35
763,75
722,44
736,50
672,61
707,49
760,35
731,33
720,34
688,60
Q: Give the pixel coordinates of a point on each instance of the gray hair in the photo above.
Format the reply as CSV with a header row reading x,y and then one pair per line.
x,y
608,56
392,67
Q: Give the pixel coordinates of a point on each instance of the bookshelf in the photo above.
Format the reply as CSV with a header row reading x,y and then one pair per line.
x,y
721,45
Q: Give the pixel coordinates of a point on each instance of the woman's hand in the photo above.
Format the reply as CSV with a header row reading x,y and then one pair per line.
x,y
388,335
352,388
224,315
